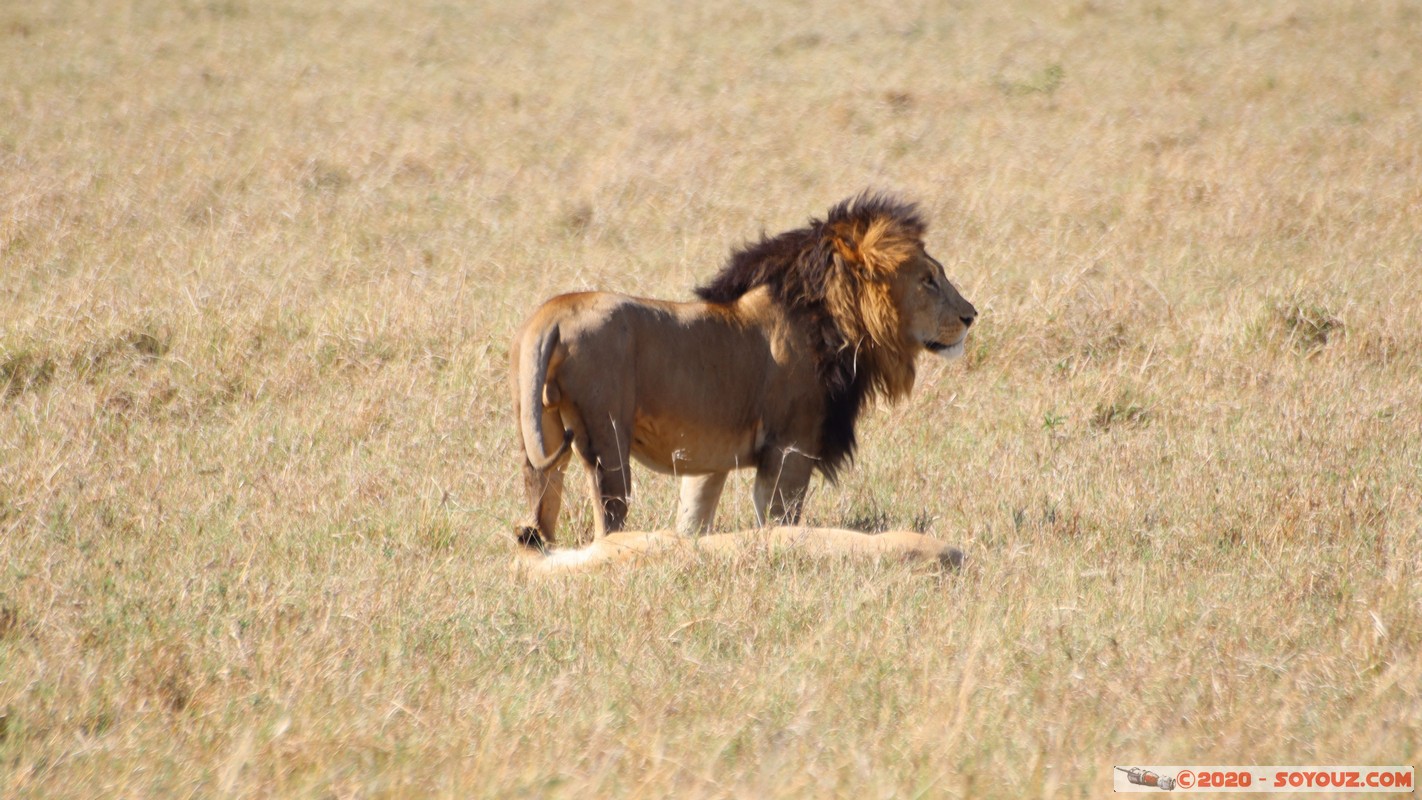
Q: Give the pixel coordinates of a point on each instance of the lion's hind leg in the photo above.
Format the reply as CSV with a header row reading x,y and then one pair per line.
x,y
544,489
606,450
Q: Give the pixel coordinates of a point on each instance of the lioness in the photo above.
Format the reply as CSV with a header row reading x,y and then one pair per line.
x,y
636,547
771,370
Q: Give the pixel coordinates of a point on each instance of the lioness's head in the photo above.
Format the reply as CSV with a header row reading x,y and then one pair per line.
x,y
935,315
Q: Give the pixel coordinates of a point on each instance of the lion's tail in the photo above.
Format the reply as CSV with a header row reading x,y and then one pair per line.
x,y
533,375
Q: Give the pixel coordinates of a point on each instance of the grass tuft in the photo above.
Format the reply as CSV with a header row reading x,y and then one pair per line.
x,y
25,371
1307,326
1125,409
1046,82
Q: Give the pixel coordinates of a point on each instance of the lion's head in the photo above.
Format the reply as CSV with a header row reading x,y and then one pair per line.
x,y
872,295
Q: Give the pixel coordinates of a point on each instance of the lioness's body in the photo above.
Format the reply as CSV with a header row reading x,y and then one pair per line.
x,y
634,547
771,373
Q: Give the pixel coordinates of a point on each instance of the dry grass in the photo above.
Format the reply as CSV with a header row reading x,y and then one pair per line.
x,y
261,260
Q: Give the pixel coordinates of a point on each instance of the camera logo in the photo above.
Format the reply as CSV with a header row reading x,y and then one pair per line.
x,y
1144,777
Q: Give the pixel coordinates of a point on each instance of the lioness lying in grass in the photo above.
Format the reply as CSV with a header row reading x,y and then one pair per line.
x,y
636,547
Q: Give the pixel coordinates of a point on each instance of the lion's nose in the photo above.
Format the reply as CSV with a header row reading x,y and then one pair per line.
x,y
968,320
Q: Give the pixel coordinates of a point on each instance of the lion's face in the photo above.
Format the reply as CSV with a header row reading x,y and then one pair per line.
x,y
935,316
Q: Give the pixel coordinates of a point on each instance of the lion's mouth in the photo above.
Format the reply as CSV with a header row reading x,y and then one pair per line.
x,y
943,349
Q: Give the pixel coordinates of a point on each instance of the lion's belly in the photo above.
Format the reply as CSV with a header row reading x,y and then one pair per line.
x,y
668,445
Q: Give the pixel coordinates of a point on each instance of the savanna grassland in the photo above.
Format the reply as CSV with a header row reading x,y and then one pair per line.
x,y
260,263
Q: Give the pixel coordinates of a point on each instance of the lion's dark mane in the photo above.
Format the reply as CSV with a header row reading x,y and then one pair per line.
x,y
797,268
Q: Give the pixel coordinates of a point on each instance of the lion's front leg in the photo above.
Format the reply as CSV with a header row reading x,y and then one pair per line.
x,y
696,513
780,484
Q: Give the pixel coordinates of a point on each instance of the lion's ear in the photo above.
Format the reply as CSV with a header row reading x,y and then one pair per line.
x,y
847,251
846,244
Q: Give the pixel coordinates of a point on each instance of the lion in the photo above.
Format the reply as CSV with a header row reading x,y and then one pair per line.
x,y
638,548
769,370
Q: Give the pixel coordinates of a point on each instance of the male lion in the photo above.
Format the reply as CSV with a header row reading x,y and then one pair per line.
x,y
771,371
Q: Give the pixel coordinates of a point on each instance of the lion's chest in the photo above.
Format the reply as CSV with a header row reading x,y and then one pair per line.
x,y
680,447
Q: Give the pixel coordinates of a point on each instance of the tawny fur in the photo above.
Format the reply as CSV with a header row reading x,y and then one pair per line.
x,y
632,548
794,338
